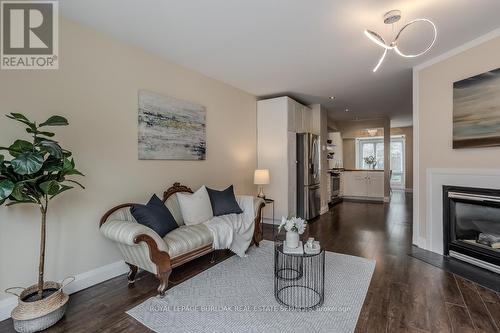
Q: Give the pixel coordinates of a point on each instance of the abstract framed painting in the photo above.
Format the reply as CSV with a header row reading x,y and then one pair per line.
x,y
476,111
170,128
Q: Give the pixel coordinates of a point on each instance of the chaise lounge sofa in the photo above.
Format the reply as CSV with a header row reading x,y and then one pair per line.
x,y
143,248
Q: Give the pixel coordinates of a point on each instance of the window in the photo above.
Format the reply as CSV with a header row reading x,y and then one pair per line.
x,y
374,147
370,148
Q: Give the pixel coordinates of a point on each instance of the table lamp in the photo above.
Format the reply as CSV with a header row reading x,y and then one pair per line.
x,y
261,177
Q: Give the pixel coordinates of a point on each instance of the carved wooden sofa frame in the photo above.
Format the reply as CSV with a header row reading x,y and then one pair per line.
x,y
165,264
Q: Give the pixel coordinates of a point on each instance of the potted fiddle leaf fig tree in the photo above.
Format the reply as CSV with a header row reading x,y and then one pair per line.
x,y
35,172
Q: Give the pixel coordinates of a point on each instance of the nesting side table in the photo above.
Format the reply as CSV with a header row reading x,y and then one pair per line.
x,y
299,279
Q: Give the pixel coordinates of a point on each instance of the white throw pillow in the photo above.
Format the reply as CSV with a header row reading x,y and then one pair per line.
x,y
195,208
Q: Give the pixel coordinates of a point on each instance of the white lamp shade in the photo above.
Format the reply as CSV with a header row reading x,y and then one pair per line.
x,y
261,177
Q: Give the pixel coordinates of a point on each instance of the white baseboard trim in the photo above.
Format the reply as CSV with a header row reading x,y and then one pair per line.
x,y
356,198
82,281
96,276
421,243
387,199
6,307
324,210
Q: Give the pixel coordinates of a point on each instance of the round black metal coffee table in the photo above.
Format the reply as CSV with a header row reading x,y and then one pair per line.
x,y
299,279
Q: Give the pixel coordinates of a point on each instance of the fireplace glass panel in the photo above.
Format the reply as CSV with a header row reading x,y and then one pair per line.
x,y
477,224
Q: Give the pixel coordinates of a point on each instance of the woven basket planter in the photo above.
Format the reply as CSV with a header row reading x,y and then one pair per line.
x,y
36,316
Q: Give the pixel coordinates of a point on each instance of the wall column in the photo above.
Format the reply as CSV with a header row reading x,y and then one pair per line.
x,y
387,159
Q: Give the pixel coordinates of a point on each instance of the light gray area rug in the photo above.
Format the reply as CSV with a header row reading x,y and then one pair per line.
x,y
237,295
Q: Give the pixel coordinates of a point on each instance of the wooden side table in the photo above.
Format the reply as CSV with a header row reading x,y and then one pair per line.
x,y
269,202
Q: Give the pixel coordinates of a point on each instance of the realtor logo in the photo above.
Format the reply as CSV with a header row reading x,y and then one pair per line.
x,y
29,35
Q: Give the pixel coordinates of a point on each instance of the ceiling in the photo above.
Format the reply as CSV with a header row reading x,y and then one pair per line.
x,y
309,50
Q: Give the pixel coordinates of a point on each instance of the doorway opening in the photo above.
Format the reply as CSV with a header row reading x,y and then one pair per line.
x,y
373,147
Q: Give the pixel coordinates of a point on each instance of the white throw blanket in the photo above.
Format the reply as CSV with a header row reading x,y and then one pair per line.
x,y
234,231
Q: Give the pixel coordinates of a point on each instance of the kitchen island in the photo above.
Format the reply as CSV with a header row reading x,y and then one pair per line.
x,y
363,184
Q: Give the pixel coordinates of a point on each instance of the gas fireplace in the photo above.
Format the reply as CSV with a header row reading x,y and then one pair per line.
x,y
471,225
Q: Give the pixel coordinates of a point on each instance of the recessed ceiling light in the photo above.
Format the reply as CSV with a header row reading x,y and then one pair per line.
x,y
331,97
346,110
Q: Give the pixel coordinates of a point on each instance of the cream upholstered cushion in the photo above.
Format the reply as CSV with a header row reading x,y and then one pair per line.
x,y
187,238
122,214
196,208
125,232
173,206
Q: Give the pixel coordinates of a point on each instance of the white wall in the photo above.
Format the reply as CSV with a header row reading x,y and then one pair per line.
x,y
337,149
433,114
96,89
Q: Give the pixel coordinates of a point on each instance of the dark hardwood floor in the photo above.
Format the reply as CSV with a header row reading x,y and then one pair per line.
x,y
405,295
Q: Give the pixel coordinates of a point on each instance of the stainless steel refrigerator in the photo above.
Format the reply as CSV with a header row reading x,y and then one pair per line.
x,y
308,176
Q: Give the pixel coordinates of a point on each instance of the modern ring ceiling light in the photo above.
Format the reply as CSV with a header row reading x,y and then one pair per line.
x,y
391,18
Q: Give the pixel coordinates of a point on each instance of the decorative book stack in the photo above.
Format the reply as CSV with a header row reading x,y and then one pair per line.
x,y
308,248
290,250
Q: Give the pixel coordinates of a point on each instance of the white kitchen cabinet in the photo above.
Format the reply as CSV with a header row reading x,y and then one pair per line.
x,y
297,110
306,120
348,179
360,184
299,117
375,186
292,117
363,184
316,126
278,121
355,183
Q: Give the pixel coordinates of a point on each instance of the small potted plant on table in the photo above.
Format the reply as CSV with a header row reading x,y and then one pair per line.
x,y
294,226
371,161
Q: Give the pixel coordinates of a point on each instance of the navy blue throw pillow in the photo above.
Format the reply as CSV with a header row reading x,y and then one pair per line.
x,y
224,202
154,215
